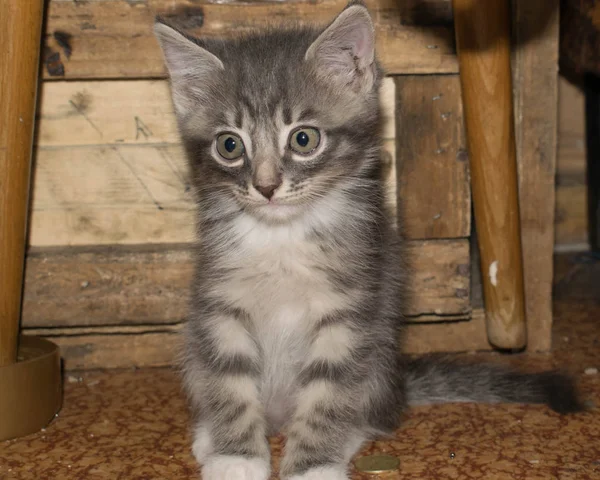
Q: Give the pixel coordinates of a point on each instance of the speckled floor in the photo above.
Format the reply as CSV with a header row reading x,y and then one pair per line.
x,y
133,424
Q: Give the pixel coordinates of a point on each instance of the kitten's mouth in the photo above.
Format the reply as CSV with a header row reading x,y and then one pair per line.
x,y
277,211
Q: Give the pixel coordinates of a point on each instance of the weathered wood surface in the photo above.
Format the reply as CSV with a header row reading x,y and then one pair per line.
x,y
157,346
102,112
571,217
149,285
128,112
117,349
535,65
113,38
109,168
110,195
433,185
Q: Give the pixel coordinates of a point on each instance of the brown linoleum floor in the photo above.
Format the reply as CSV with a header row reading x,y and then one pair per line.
x,y
133,424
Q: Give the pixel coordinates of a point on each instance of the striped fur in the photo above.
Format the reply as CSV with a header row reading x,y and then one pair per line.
x,y
296,304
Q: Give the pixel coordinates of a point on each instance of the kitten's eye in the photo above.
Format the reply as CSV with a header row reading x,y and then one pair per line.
x,y
304,140
230,146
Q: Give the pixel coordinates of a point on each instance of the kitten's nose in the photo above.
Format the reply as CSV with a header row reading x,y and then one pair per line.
x,y
267,191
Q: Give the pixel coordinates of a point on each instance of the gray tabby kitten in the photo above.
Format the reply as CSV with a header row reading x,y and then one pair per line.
x,y
296,305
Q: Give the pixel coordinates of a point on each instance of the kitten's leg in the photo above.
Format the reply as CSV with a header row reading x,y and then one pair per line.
x,y
327,426
221,375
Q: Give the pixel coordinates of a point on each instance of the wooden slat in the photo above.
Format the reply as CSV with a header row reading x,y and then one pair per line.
x,y
108,195
154,346
102,112
571,218
95,349
441,278
571,130
107,287
104,173
133,286
534,71
465,336
113,38
128,112
122,195
433,171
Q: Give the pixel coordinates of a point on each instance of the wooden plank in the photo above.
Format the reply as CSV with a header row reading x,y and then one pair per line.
x,y
432,163
535,65
571,159
128,112
122,195
465,336
116,350
107,286
571,218
107,195
571,222
101,113
104,174
113,38
157,346
135,285
440,283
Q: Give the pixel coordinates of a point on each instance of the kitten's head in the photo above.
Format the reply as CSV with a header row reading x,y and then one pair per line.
x,y
275,122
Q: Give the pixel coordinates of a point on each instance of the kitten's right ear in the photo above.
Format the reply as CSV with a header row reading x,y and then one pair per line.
x,y
189,65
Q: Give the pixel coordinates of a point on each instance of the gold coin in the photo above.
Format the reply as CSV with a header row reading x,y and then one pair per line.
x,y
377,464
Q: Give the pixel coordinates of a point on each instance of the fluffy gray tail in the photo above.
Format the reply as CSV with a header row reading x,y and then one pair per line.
x,y
431,380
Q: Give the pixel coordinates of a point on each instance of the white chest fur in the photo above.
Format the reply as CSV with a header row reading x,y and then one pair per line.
x,y
279,277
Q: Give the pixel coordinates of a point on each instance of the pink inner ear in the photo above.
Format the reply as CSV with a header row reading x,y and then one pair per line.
x,y
361,44
362,41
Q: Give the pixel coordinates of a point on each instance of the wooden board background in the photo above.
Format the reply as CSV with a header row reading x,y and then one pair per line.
x,y
148,285
124,306
109,168
433,184
110,172
534,68
113,38
571,190
157,346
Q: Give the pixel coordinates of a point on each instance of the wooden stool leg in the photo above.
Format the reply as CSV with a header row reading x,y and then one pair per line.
x,y
20,34
483,43
30,381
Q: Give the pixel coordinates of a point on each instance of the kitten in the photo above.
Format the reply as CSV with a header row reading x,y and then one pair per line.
x,y
296,304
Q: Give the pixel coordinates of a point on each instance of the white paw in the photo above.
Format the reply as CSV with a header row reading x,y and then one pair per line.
x,y
323,473
228,467
202,446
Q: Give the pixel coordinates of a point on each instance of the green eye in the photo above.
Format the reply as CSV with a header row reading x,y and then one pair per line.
x,y
304,140
230,146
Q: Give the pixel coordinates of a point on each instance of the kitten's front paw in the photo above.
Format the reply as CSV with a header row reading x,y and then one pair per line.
x,y
202,447
229,467
322,473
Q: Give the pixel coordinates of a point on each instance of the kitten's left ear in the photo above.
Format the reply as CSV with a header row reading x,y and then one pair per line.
x,y
345,51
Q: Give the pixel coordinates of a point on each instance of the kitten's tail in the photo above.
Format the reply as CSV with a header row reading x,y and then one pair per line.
x,y
439,380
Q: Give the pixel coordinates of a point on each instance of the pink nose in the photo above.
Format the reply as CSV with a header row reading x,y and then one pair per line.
x,y
267,191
